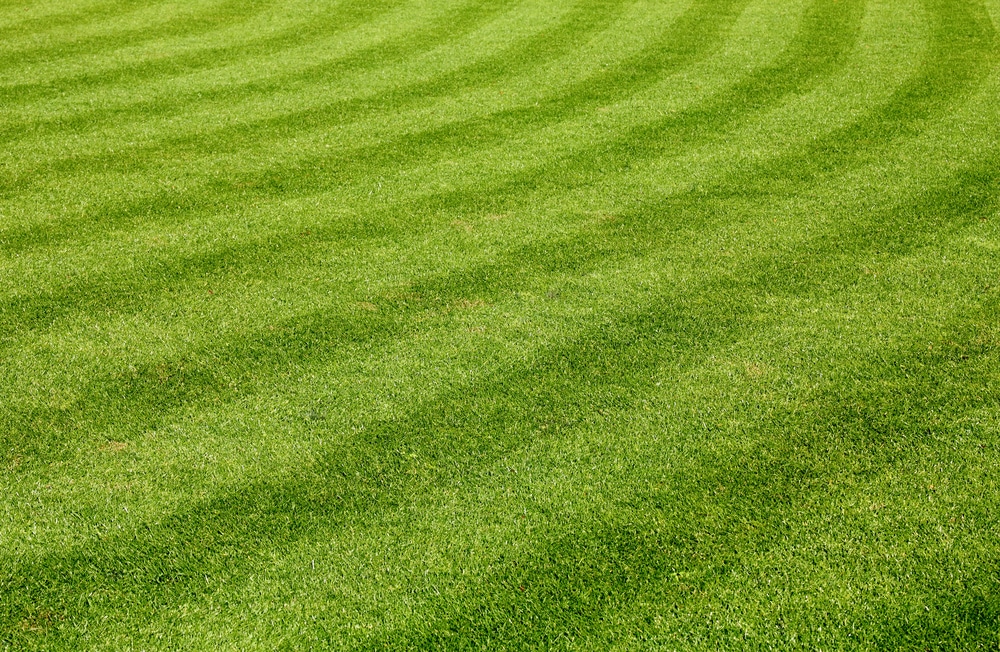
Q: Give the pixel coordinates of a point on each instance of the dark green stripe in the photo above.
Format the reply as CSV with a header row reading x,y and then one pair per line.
x,y
316,174
457,432
779,81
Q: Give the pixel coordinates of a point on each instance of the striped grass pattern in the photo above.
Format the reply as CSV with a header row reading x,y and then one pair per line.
x,y
499,324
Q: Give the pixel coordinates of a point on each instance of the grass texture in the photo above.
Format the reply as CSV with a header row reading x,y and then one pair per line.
x,y
499,324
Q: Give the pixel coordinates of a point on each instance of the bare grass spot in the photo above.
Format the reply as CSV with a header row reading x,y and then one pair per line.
x,y
40,621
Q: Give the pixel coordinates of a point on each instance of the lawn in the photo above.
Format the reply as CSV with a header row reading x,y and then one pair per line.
x,y
499,324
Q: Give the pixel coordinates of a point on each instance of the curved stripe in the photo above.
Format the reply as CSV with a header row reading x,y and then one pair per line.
x,y
229,256
493,403
190,267
773,77
365,483
141,23
48,307
178,61
771,81
319,74
964,48
193,268
443,137
358,53
43,17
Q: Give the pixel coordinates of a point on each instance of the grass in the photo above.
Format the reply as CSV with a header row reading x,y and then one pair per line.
x,y
577,324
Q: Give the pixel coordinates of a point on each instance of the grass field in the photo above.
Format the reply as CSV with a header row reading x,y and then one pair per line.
x,y
499,324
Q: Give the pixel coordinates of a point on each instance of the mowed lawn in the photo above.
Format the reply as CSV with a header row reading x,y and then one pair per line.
x,y
499,324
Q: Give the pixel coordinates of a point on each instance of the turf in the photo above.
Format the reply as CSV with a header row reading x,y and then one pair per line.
x,y
523,324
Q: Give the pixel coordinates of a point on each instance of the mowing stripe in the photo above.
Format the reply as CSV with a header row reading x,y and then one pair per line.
x,y
191,269
145,22
43,310
549,381
154,390
593,320
487,275
263,178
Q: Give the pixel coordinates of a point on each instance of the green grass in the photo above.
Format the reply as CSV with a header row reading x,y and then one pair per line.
x,y
563,324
